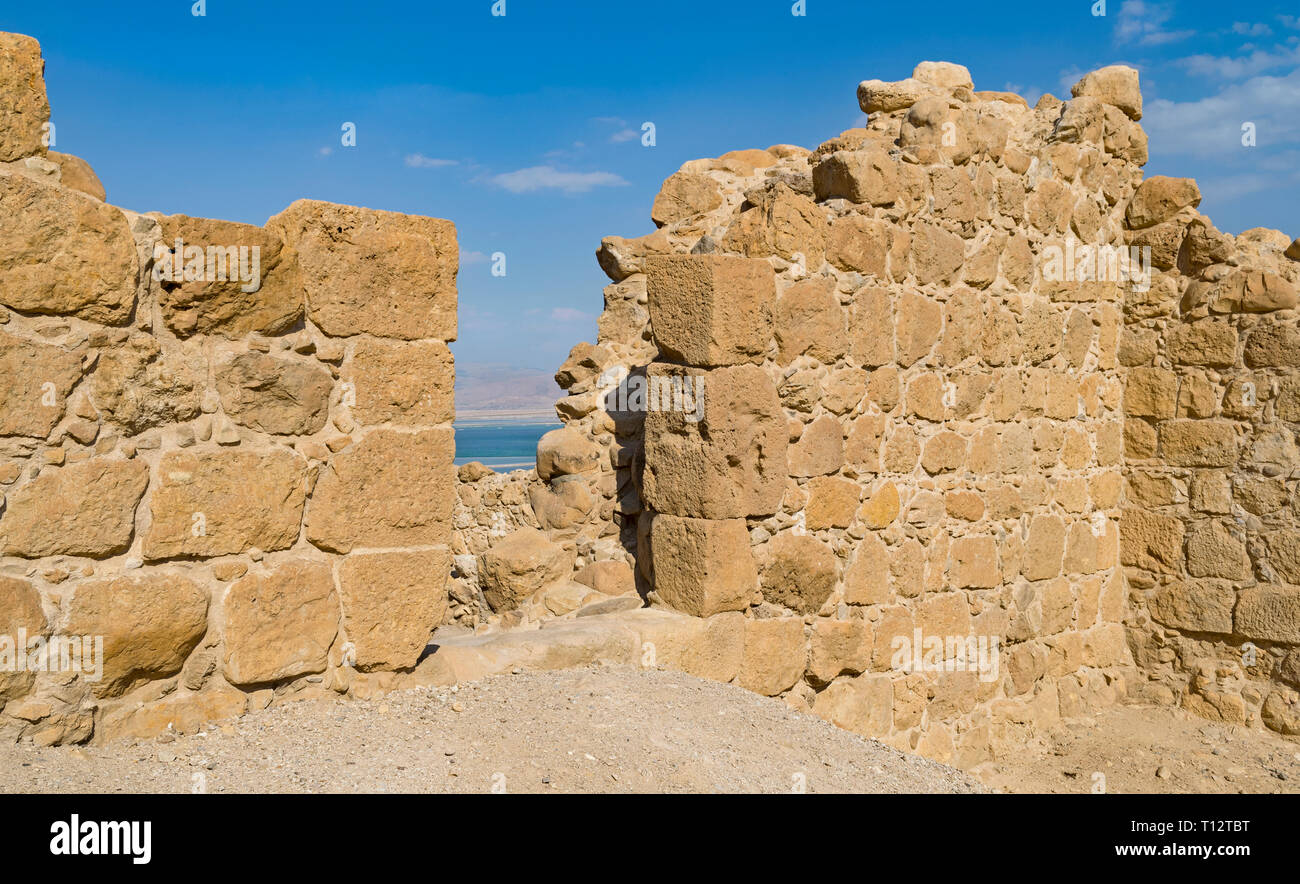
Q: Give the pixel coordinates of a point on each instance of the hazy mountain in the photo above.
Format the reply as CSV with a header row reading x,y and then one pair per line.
x,y
495,386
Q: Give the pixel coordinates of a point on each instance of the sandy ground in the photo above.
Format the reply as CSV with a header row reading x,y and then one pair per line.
x,y
623,729
615,729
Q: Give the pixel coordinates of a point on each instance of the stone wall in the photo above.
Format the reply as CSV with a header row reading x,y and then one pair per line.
x,y
1211,533
226,450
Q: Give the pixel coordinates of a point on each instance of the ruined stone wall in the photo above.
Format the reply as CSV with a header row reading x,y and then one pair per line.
x,y
226,450
1211,532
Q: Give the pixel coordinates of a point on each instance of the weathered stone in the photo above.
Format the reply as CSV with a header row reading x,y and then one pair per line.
x,y
183,712
24,109
820,449
228,279
64,253
1116,85
566,452
1213,551
139,384
37,380
74,172
380,273
838,647
975,562
778,221
799,571
280,623
216,503
392,602
774,656
1208,342
937,256
859,243
408,383
1281,712
150,623
866,581
863,705
859,176
871,328
84,509
518,565
832,502
612,577
728,463
809,320
878,96
280,396
919,324
1159,198
1273,344
709,310
702,566
391,489
1044,548
1198,443
20,608
1150,392
1196,606
1268,613
1151,541
685,195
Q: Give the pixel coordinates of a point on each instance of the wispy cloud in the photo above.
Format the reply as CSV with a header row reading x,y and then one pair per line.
x,y
623,135
1251,29
1246,66
420,161
472,258
536,178
1144,23
1211,126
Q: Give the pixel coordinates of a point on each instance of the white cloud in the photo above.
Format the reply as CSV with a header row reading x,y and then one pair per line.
x,y
537,178
1247,66
1211,126
472,258
569,314
623,135
1143,23
1247,29
420,161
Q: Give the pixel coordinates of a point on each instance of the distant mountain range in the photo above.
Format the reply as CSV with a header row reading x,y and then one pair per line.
x,y
495,388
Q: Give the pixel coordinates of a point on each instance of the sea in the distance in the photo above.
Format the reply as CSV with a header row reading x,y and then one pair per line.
x,y
501,443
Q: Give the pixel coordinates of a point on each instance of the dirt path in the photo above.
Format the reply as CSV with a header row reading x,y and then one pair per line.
x,y
615,729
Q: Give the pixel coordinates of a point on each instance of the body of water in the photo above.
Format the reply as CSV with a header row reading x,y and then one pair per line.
x,y
500,443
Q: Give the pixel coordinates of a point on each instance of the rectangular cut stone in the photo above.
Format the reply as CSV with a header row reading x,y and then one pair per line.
x,y
1270,613
392,602
217,503
390,489
24,109
702,567
709,310
371,272
409,384
280,623
721,454
84,509
1198,443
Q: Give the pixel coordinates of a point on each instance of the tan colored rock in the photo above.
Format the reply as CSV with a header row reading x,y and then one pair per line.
x,y
1198,443
1268,613
975,562
216,503
919,324
407,383
859,243
871,326
24,109
710,648
1151,541
702,567
150,623
280,623
866,581
1194,605
229,278
863,705
1281,712
391,489
775,655
730,463
877,96
183,712
1159,198
1213,551
566,452
881,509
1045,547
140,384
809,320
518,565
1207,342
1273,344
63,253
937,256
1116,85
1150,392
1253,292
380,273
279,396
832,502
37,380
392,602
709,310
77,174
779,222
20,608
685,195
612,577
820,450
838,647
859,176
943,74
83,509
799,572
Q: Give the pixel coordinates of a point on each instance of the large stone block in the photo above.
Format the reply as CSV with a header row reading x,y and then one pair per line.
x,y
518,565
227,278
274,395
1273,344
409,384
381,273
1159,198
1270,613
280,623
1116,85
708,310
731,461
838,647
800,572
702,567
24,108
775,220
1198,443
864,705
775,655
809,319
1214,551
76,173
391,489
139,384
1151,541
37,380
392,602
64,253
216,503
685,195
150,623
859,176
1194,605
84,509
20,608
566,452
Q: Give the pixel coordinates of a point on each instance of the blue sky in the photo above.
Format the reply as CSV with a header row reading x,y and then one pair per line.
x,y
526,129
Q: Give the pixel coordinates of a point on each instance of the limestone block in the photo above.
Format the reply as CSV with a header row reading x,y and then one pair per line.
x,y
1269,613
274,395
20,608
76,173
838,647
83,509
408,383
799,571
392,602
709,310
775,655
809,320
1116,85
702,567
139,384
518,565
685,195
281,622
1194,605
37,380
24,109
1159,198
